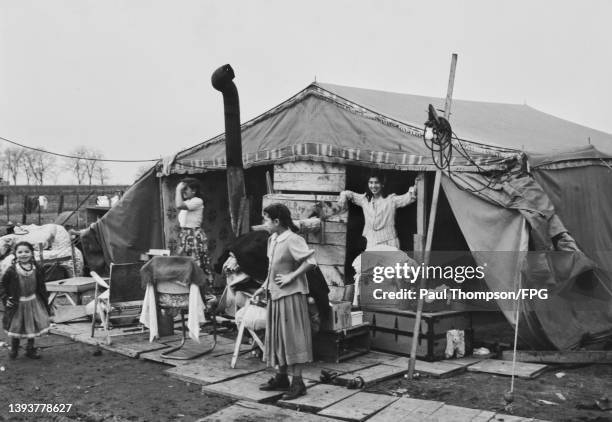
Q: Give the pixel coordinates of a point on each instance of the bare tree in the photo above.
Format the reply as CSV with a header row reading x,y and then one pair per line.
x,y
102,173
13,158
38,165
85,165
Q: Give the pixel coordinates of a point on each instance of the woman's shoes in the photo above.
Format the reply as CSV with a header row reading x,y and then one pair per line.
x,y
280,382
297,389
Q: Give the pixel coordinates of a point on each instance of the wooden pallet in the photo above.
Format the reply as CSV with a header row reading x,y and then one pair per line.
x,y
407,409
375,374
318,398
246,387
212,370
504,367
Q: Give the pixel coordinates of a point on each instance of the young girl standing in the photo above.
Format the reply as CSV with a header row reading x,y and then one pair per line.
x,y
288,334
24,295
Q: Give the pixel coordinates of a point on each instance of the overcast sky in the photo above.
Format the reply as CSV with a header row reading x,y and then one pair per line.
x,y
132,78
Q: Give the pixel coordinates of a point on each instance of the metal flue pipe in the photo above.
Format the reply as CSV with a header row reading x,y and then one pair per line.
x,y
222,80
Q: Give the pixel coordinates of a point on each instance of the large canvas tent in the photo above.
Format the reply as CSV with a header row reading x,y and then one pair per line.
x,y
525,178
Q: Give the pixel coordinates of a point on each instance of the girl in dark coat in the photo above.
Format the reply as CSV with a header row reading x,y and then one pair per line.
x,y
24,296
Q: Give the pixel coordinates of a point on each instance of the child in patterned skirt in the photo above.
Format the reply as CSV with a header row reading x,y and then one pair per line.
x,y
24,296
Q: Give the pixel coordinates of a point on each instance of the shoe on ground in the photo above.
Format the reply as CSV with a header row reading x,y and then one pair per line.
x,y
279,382
33,354
297,389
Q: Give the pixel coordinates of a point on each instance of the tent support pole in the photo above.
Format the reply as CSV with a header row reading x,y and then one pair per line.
x,y
430,229
162,212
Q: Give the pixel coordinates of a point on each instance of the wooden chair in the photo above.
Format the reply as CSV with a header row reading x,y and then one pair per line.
x,y
125,295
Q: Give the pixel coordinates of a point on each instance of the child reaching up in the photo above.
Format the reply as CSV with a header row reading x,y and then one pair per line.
x,y
24,295
288,334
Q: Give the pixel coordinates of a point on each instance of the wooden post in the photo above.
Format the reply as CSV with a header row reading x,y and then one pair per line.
x,y
419,237
25,205
78,225
162,208
8,208
430,228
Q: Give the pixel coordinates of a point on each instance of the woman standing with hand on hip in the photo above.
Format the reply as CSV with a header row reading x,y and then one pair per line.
x,y
288,333
379,210
192,239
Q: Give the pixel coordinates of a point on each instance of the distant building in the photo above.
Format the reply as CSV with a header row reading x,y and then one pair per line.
x,y
20,203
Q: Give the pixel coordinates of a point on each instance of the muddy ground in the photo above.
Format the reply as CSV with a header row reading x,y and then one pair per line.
x,y
112,387
109,387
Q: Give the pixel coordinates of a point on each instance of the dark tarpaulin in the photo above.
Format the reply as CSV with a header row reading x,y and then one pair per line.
x,y
580,197
130,228
576,308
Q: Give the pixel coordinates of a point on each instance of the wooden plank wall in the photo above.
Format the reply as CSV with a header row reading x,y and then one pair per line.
x,y
308,187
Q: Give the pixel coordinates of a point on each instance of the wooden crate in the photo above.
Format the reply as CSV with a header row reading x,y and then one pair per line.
x,y
309,176
329,244
340,345
392,331
340,316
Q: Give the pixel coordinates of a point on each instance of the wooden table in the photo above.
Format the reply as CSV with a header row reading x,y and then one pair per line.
x,y
75,285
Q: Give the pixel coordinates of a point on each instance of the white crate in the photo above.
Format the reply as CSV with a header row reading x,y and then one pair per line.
x,y
356,318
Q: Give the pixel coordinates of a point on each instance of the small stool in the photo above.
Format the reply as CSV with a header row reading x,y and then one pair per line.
x,y
76,285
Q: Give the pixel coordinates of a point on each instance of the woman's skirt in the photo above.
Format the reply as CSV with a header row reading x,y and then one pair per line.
x,y
30,319
288,333
193,242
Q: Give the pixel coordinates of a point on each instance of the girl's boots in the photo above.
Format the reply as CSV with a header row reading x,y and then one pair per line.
x,y
31,351
14,348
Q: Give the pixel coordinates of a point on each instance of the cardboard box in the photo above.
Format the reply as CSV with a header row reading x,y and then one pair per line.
x,y
339,316
356,318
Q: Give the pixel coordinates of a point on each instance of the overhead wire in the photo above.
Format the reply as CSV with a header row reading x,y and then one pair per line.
x,y
76,157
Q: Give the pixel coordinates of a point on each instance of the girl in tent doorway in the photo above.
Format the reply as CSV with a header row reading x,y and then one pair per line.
x,y
379,210
192,239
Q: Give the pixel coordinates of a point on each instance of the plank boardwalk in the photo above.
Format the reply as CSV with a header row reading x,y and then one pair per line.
x,y
246,387
503,367
407,409
217,369
243,411
318,398
374,374
441,369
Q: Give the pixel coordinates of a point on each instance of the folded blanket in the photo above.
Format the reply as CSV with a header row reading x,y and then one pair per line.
x,y
183,269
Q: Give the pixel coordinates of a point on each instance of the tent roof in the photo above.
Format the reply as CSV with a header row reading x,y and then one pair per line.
x,y
334,123
513,126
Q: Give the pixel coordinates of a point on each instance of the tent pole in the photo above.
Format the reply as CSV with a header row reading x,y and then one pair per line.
x,y
430,229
